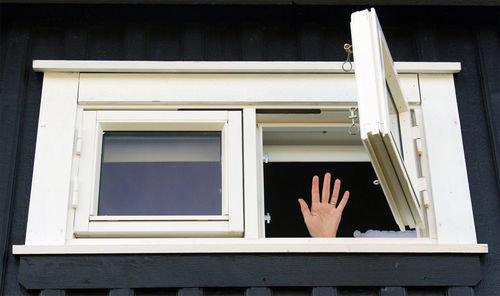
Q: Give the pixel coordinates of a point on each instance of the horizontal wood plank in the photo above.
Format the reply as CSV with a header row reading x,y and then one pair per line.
x,y
243,270
242,245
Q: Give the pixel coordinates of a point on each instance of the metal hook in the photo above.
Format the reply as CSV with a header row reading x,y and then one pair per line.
x,y
353,130
353,114
348,50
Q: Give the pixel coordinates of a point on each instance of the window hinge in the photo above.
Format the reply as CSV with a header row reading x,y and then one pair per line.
x,y
78,152
417,135
421,184
416,132
78,149
418,145
425,198
267,218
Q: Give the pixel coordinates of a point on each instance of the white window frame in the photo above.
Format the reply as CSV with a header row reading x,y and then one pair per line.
x,y
51,215
123,85
85,195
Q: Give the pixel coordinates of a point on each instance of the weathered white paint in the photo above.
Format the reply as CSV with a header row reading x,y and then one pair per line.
x,y
243,245
291,86
250,161
50,188
167,89
95,122
446,160
375,78
225,67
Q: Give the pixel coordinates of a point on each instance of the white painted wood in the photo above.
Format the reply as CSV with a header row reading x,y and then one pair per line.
x,y
205,106
50,188
242,245
160,229
250,165
375,78
87,173
260,179
225,67
446,160
75,168
178,117
391,75
409,86
234,167
428,67
316,153
309,134
246,85
88,224
429,213
159,218
213,89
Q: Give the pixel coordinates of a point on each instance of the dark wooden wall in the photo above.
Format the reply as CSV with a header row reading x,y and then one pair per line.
x,y
234,33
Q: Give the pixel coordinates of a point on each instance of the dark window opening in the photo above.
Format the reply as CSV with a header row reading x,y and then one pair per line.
x,y
285,182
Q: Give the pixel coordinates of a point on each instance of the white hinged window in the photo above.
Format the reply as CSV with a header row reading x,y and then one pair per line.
x,y
118,141
159,173
384,117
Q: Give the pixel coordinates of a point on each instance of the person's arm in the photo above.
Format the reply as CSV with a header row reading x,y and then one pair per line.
x,y
323,219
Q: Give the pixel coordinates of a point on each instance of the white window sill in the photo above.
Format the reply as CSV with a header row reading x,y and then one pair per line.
x,y
239,245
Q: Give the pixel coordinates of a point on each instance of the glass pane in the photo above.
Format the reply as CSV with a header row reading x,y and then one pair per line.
x,y
161,173
395,125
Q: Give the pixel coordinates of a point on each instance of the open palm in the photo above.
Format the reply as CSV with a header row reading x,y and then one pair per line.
x,y
323,219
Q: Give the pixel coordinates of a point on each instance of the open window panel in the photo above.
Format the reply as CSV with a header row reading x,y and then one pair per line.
x,y
379,166
385,118
159,173
295,148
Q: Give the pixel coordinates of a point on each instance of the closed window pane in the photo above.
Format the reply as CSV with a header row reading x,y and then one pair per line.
x,y
161,173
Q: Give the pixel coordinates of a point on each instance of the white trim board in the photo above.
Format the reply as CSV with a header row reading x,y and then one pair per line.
x,y
285,245
247,89
227,67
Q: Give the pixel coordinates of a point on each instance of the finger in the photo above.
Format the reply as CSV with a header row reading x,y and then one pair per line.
x,y
325,195
304,208
344,200
315,190
335,194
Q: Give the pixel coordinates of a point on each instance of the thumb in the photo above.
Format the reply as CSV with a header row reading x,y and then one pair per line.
x,y
304,208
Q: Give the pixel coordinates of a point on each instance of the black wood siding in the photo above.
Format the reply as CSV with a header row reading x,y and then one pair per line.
x,y
245,33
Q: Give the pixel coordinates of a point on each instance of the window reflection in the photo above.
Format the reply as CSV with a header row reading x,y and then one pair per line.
x,y
160,173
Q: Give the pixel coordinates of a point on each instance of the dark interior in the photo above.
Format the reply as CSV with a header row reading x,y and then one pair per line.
x,y
285,182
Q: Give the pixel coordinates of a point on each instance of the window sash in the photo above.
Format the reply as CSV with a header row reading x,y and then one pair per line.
x,y
375,76
94,123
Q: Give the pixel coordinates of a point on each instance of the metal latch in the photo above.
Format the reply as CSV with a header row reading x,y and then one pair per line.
x,y
265,158
267,218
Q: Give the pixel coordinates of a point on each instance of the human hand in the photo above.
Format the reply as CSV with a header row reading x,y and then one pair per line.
x,y
324,217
